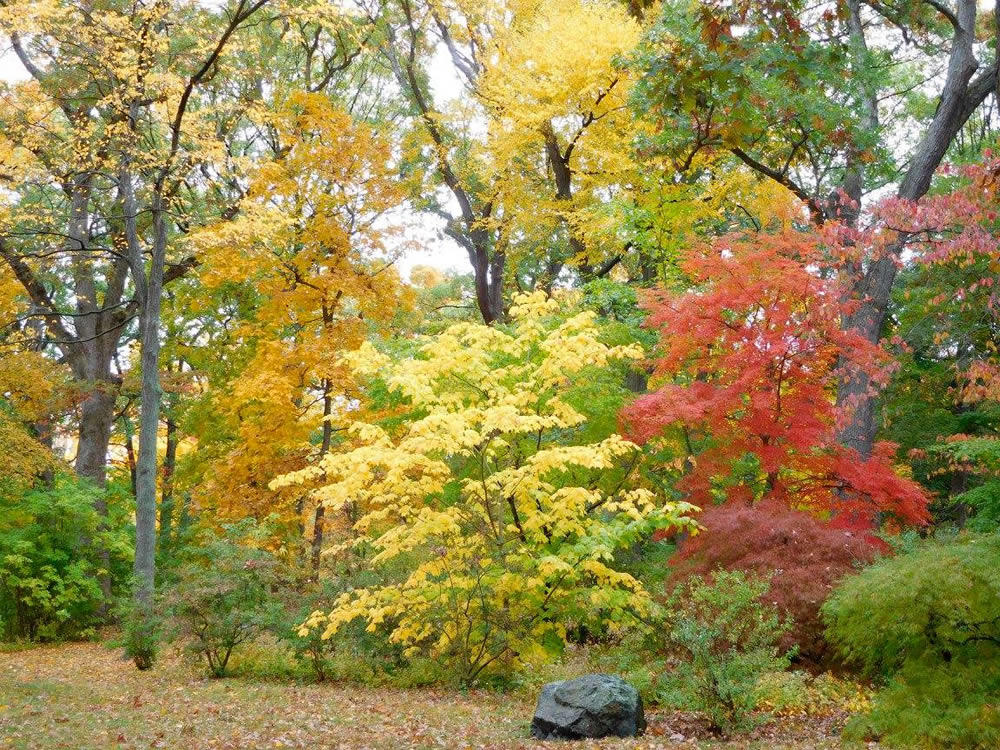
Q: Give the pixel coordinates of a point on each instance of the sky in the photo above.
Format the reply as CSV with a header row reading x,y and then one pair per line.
x,y
438,250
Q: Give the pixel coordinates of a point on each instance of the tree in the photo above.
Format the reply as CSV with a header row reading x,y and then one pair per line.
x,y
104,146
942,404
504,522
801,555
744,378
807,98
309,267
537,155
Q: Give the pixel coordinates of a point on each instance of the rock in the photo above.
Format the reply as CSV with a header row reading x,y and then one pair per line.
x,y
595,705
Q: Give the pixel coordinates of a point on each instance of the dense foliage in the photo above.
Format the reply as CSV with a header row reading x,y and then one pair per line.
x,y
926,620
488,488
727,638
51,540
749,361
222,598
803,556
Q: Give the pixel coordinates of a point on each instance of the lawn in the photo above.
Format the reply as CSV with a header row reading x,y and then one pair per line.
x,y
84,695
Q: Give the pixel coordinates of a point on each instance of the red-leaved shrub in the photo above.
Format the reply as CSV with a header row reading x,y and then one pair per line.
x,y
805,555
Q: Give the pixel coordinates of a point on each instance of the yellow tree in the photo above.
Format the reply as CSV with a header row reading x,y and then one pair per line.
x,y
314,251
506,526
535,117
560,143
28,391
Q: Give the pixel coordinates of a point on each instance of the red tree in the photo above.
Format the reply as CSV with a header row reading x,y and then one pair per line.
x,y
803,557
746,374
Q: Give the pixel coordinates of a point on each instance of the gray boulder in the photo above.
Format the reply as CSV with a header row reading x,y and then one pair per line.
x,y
595,705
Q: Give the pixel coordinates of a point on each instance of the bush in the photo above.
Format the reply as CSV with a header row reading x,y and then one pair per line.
x,y
928,621
223,595
498,492
727,639
141,633
935,706
51,540
939,603
805,556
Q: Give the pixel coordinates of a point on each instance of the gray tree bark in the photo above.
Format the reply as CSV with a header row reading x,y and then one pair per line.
x,y
872,287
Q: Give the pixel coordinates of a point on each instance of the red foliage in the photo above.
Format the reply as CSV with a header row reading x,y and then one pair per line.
x,y
806,556
747,369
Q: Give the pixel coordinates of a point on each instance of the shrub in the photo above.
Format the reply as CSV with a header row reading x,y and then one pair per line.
x,y
222,598
799,692
311,648
936,706
803,556
142,631
927,620
51,542
937,603
727,639
499,497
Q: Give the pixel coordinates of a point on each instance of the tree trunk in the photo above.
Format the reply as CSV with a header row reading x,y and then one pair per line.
x,y
872,288
167,493
149,414
317,540
97,414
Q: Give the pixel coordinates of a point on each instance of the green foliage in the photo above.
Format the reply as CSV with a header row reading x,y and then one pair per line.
x,y
51,542
222,598
935,706
938,603
928,621
141,633
985,499
726,640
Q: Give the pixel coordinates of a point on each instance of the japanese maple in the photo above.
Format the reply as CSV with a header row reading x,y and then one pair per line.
x,y
745,375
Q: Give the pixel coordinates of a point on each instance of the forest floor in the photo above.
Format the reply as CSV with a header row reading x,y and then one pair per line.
x,y
85,695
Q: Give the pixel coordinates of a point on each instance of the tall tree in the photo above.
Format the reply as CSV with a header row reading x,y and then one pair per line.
x,y
312,260
531,168
814,98
107,142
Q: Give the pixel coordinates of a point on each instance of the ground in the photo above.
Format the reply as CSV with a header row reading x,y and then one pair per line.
x,y
85,695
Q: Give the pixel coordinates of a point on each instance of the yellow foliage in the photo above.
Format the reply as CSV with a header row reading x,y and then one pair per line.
x,y
313,242
507,531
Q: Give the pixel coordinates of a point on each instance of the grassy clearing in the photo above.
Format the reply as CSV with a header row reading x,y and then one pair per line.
x,y
84,695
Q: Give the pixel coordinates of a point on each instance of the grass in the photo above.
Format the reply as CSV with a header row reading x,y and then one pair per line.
x,y
85,695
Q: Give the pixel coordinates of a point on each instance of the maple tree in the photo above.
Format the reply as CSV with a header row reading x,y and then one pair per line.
x,y
802,557
744,377
812,99
311,252
507,532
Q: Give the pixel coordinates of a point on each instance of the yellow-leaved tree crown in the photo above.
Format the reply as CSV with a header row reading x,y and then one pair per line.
x,y
504,527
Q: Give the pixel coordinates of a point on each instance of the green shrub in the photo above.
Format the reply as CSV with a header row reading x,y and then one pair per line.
x,y
937,603
223,595
51,543
927,621
142,632
726,640
947,705
267,659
